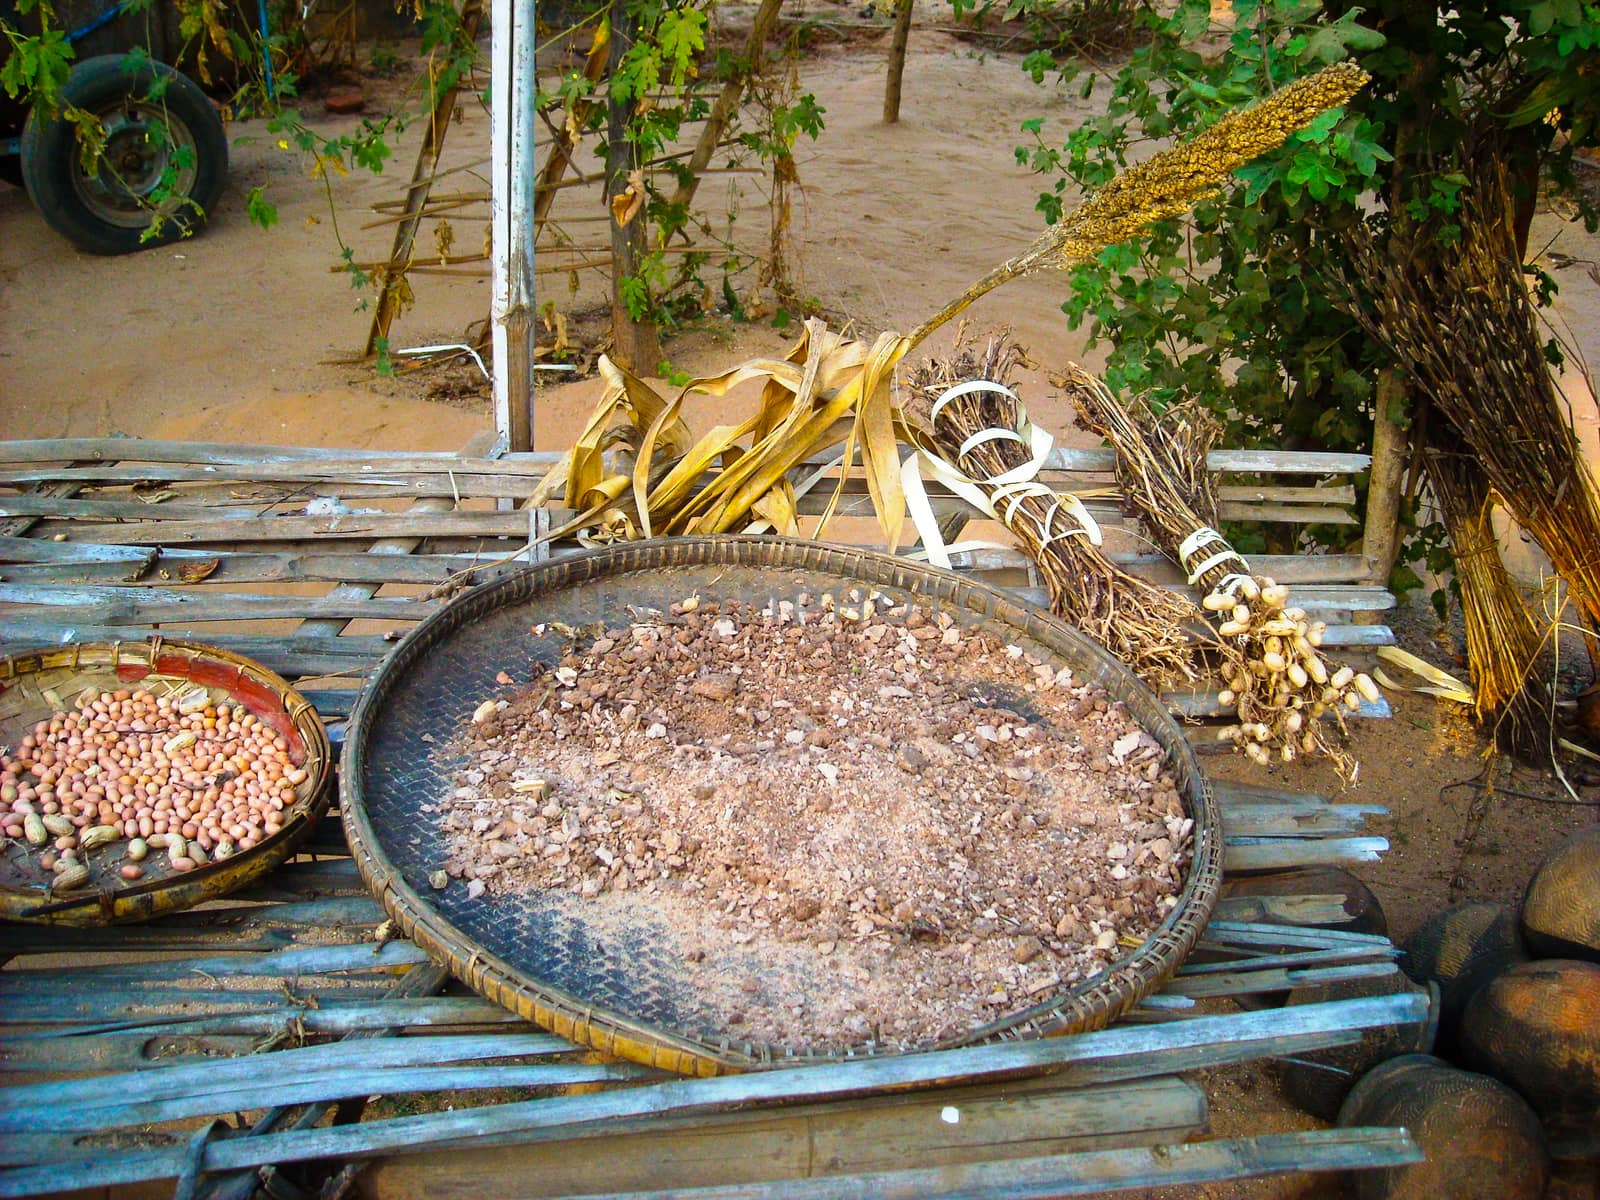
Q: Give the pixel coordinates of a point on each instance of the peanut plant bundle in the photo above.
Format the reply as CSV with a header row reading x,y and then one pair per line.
x,y
1278,682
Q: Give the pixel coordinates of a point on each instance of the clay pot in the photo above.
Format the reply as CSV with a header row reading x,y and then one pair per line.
x,y
1537,1027
1481,1139
1461,949
1561,912
1319,1080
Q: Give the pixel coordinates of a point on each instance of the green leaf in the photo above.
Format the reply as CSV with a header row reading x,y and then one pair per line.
x,y
260,211
1192,20
682,36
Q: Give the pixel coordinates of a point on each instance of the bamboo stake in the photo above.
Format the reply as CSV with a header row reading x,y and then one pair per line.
x,y
390,295
727,100
897,61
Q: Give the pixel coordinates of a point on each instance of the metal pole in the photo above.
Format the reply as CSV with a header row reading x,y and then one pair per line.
x,y
512,116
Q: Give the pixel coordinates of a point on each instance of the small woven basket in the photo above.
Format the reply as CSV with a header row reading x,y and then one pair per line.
x,y
37,684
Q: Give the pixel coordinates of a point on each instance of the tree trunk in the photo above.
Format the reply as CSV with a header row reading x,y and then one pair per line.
x,y
635,345
1390,449
722,109
563,144
897,62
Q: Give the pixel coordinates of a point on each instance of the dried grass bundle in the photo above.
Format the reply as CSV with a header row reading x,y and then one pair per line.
x,y
1279,684
984,435
1511,694
1458,318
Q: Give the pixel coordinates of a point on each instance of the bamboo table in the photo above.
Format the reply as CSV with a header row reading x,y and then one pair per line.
x,y
289,1003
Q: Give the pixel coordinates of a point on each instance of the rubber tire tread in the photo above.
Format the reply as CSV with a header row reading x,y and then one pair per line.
x,y
50,150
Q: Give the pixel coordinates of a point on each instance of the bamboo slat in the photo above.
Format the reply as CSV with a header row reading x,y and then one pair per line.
x,y
1127,1052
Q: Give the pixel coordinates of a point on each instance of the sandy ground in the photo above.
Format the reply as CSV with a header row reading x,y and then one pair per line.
x,y
245,335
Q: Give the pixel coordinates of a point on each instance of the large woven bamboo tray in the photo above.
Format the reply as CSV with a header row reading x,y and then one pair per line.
x,y
36,684
538,954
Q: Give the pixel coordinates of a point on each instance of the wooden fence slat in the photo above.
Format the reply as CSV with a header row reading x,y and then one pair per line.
x,y
289,656
1136,1051
364,526
1248,982
153,606
1274,854
1087,1173
1294,821
1304,958
1293,569
1245,933
132,450
271,1089
111,1052
221,455
269,1016
288,963
298,1063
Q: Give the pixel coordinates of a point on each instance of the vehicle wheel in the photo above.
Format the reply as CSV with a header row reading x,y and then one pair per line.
x,y
165,157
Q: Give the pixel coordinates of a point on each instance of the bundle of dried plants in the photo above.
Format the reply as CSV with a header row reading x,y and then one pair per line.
x,y
1458,318
985,436
1505,647
1278,682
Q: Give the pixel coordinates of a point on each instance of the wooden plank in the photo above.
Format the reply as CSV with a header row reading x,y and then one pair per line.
x,y
961,1124
270,1088
1243,983
242,927
156,606
127,510
1277,854
1282,568
1316,909
113,1052
289,656
854,503
1302,958
221,455
284,485
31,554
1326,494
148,1004
285,964
270,1015
343,526
1295,821
1240,933
1093,1171
303,1063
1136,1051
1088,1173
